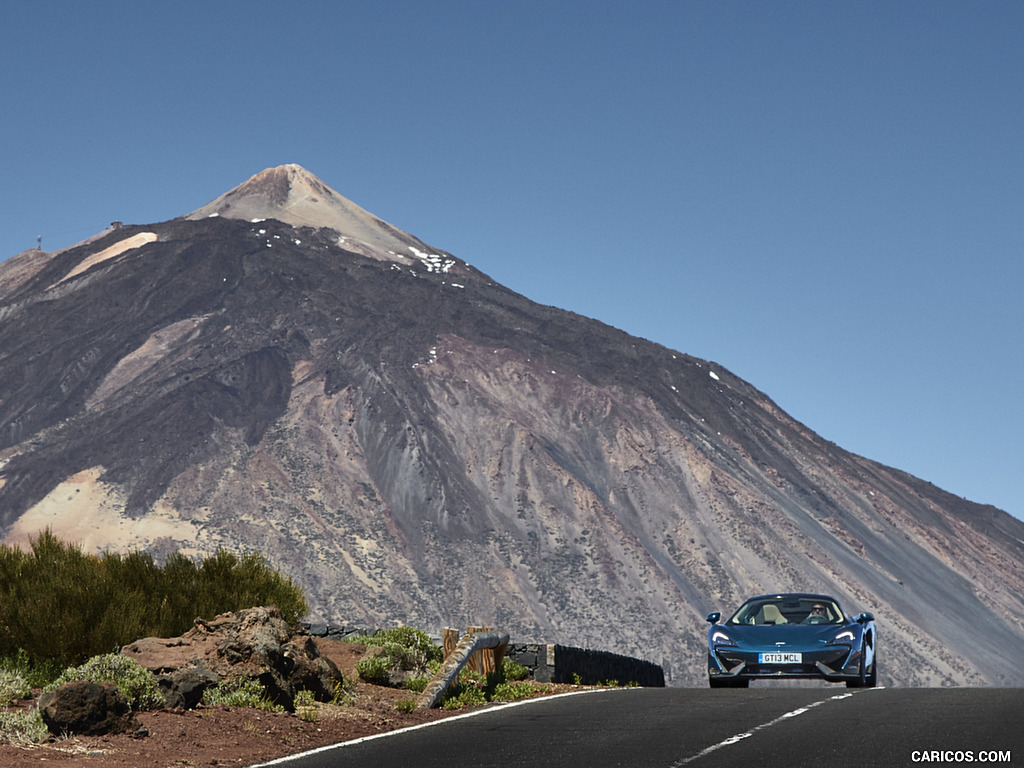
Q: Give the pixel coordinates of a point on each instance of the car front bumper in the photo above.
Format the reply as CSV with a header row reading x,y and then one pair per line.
x,y
835,663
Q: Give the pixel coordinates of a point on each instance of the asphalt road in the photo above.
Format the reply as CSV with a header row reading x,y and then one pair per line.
x,y
676,727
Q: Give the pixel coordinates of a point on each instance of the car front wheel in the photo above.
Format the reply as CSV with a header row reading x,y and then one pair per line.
x,y
862,678
872,679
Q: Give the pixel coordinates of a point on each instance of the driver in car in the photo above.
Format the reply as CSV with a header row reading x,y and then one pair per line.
x,y
817,615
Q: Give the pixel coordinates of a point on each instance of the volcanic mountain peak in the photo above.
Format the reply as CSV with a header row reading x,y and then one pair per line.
x,y
413,454
291,194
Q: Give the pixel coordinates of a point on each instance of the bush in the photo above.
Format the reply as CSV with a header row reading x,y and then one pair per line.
x,y
38,673
13,685
58,603
131,678
464,696
415,641
376,670
306,707
344,692
401,648
512,691
20,727
417,684
406,705
512,670
241,692
472,688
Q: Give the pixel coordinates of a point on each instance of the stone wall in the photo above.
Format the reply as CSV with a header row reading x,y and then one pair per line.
x,y
564,664
335,632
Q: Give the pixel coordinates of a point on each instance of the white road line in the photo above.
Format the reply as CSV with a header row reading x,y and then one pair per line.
x,y
474,713
747,734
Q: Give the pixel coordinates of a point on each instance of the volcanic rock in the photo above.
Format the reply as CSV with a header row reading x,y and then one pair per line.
x,y
184,687
252,643
86,708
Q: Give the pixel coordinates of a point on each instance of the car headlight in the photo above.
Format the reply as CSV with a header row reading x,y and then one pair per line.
x,y
846,636
720,638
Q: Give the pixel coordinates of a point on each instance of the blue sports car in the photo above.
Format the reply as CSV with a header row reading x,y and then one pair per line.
x,y
791,636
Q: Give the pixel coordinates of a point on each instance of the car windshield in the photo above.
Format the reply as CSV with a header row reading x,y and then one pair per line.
x,y
789,609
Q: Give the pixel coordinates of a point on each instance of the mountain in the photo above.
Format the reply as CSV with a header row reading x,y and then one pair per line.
x,y
291,194
282,371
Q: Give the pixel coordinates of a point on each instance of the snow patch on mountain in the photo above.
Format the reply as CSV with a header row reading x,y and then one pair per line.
x,y
128,244
434,262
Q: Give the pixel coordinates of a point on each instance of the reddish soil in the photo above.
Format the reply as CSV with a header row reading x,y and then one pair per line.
x,y
235,736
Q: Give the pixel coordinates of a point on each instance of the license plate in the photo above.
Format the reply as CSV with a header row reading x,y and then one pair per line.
x,y
780,658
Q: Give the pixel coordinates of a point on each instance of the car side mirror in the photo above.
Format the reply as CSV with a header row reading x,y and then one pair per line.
x,y
714,617
865,617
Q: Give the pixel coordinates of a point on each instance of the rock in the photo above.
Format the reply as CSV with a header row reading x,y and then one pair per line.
x,y
185,687
87,709
256,642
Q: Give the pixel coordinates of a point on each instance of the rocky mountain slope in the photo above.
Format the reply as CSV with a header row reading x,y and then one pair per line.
x,y
415,443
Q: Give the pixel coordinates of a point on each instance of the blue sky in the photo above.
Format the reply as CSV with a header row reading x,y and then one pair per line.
x,y
825,198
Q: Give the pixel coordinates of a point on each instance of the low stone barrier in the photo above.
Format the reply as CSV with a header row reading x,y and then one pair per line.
x,y
552,663
334,632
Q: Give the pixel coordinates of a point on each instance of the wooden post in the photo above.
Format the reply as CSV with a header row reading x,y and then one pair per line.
x,y
449,639
471,642
477,662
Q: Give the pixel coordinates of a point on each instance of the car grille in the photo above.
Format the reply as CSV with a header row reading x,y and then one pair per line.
x,y
830,657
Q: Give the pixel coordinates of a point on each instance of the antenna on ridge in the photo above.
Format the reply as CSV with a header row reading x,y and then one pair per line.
x,y
39,243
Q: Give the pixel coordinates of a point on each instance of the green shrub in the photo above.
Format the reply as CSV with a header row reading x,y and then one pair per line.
x,y
512,670
131,678
241,692
20,727
464,696
58,603
38,673
400,648
374,670
414,641
406,705
13,685
504,684
417,684
404,657
512,691
306,707
344,692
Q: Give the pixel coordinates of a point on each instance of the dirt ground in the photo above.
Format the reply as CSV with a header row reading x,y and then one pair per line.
x,y
234,736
